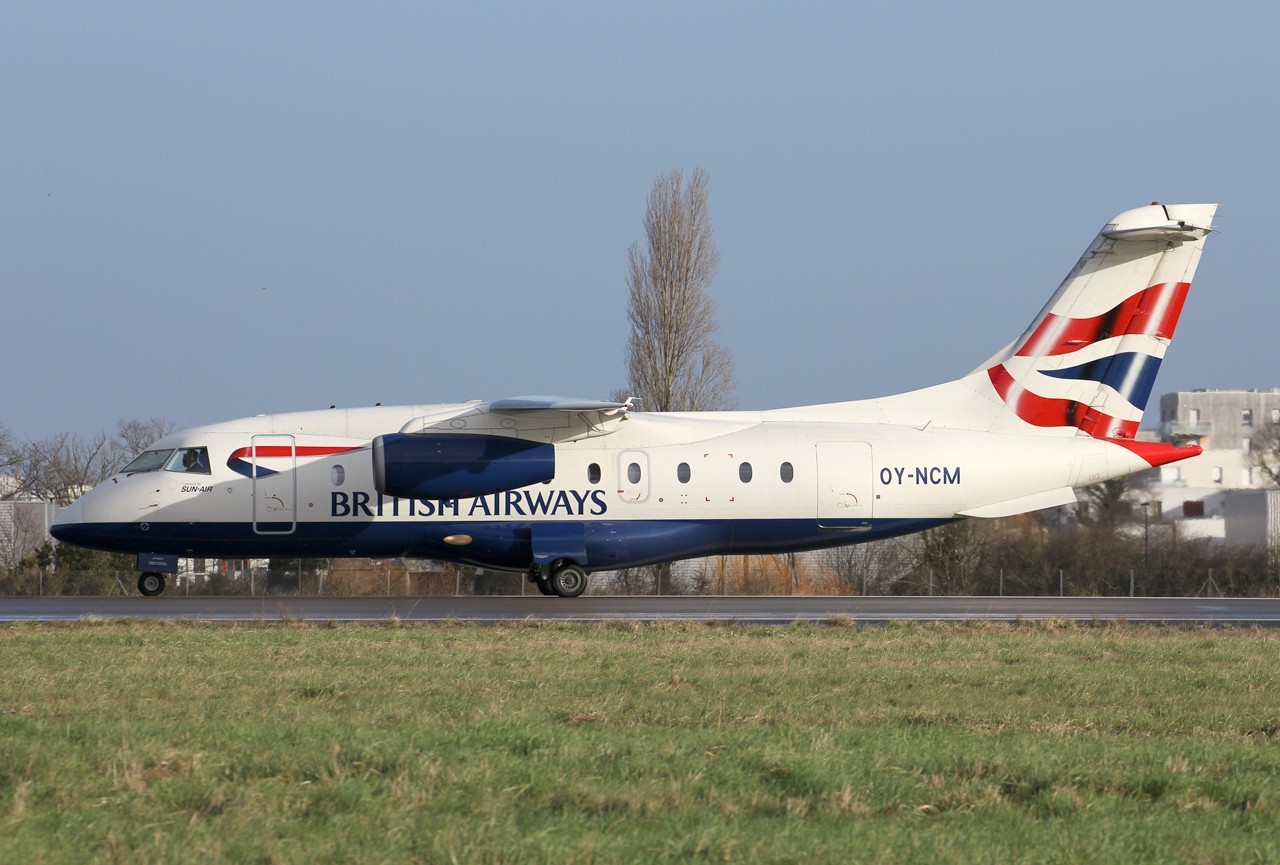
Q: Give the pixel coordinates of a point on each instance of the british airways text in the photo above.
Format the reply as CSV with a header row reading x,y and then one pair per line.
x,y
512,503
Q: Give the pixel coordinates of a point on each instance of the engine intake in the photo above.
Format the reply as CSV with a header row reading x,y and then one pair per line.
x,y
457,465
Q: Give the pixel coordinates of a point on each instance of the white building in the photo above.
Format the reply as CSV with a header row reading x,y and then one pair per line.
x,y
1252,519
1223,423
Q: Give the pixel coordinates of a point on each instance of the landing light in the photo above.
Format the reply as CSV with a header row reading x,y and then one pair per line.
x,y
458,540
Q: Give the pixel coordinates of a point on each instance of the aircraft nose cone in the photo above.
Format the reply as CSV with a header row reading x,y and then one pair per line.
x,y
75,526
67,524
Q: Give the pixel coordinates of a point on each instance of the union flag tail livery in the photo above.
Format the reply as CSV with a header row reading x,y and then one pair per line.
x,y
1089,360
559,487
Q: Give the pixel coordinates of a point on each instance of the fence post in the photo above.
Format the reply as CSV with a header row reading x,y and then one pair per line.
x,y
1059,582
1002,582
931,582
1131,582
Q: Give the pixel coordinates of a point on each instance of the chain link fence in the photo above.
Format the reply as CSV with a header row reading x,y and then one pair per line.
x,y
882,568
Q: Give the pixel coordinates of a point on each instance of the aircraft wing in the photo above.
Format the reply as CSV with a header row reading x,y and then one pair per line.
x,y
533,418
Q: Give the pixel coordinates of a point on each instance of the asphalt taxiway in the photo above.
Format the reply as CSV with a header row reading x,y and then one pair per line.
x,y
1264,612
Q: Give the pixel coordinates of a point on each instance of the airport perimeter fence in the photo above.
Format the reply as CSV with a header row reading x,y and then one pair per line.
x,y
807,574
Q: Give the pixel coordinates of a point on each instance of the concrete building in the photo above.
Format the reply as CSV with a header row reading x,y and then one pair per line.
x,y
1252,519
1223,422
1196,491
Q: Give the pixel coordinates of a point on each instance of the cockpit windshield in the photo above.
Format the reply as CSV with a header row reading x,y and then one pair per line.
x,y
149,461
184,460
190,460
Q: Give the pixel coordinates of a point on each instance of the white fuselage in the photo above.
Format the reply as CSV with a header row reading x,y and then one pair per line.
x,y
561,486
659,487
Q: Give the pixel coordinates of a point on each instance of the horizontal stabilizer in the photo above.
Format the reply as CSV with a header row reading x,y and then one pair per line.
x,y
1023,504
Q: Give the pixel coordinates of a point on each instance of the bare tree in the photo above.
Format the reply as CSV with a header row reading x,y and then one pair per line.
x,y
1264,452
61,467
8,460
1103,504
673,361
135,435
867,568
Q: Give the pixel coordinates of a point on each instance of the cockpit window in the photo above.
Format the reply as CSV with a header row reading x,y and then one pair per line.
x,y
193,461
149,461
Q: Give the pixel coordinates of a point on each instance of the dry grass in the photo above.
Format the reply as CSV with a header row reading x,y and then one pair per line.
x,y
548,742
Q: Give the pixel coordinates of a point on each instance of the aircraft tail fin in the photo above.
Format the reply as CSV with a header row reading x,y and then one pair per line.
x,y
1088,361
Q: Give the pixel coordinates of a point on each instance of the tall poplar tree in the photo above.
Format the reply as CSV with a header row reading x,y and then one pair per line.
x,y
673,360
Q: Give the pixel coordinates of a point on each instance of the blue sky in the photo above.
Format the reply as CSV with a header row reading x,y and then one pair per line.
x,y
217,210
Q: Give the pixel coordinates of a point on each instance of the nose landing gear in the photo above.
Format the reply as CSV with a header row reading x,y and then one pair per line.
x,y
150,583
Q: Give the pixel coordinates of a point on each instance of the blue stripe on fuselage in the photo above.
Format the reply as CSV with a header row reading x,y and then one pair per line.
x,y
247,468
497,545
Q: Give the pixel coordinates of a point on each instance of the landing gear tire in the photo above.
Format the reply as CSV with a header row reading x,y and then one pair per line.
x,y
151,584
568,580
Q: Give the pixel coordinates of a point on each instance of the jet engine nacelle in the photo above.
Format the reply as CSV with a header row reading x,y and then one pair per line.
x,y
457,465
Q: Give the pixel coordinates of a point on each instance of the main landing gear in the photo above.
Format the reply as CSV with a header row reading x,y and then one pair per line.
x,y
565,578
150,583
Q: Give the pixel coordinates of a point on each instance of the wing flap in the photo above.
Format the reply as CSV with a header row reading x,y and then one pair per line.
x,y
533,418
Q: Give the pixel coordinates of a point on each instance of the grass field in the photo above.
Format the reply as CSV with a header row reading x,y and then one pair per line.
x,y
630,743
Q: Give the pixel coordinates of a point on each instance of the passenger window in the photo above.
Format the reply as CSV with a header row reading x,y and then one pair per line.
x,y
787,473
682,473
593,473
633,473
744,473
192,461
337,474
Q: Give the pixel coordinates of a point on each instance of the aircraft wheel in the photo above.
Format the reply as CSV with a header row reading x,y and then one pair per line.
x,y
568,580
150,583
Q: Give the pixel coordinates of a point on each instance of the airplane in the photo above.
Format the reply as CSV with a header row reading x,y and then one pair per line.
x,y
559,488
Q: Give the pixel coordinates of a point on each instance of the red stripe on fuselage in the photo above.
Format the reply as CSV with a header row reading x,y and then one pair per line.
x,y
286,451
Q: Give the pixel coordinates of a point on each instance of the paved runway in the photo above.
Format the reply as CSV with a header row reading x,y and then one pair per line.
x,y
754,610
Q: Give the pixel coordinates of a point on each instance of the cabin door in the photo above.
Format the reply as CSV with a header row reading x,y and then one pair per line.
x,y
273,459
846,497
